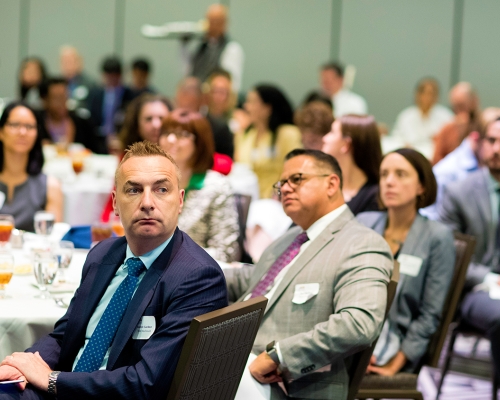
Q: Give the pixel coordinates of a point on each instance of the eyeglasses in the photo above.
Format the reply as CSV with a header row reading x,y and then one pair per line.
x,y
294,181
16,126
180,134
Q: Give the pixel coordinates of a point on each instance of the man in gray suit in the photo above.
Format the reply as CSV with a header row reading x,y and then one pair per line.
x,y
326,281
471,206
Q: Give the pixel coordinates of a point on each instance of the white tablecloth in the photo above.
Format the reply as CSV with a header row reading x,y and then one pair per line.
x,y
85,194
24,318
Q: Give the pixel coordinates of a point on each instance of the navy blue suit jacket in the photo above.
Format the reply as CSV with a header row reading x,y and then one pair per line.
x,y
182,283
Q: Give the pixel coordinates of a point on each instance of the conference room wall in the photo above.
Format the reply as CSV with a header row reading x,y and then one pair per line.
x,y
392,43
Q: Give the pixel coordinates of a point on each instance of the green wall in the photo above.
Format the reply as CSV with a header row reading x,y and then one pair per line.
x,y
392,43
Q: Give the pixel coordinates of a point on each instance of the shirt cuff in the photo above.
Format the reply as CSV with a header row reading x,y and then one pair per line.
x,y
280,357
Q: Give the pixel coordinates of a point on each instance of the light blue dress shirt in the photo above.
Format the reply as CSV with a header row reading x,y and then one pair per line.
x,y
120,275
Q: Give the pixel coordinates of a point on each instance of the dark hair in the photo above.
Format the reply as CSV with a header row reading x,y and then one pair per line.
x,y
335,66
326,160
129,134
35,156
45,85
315,116
425,176
111,65
142,64
365,143
197,124
43,72
317,96
281,110
428,80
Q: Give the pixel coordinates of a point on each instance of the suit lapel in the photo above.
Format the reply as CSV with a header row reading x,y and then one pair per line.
x,y
325,237
89,294
142,298
483,205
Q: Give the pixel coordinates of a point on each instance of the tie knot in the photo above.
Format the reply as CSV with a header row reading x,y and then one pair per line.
x,y
301,238
135,266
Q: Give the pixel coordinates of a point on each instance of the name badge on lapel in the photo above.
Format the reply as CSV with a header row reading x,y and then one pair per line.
x,y
409,265
304,292
145,328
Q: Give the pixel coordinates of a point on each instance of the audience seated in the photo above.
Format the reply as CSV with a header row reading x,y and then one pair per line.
x,y
465,104
355,142
24,189
462,161
418,124
189,96
108,103
426,255
271,136
344,100
314,120
143,120
32,73
79,83
471,206
325,280
209,213
141,70
59,125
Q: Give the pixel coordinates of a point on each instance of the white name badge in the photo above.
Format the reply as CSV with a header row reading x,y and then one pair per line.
x,y
409,265
145,328
304,292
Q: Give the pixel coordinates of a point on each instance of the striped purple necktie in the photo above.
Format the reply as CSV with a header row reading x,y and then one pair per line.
x,y
281,262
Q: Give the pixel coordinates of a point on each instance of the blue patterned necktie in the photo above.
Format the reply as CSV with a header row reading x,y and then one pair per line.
x,y
93,354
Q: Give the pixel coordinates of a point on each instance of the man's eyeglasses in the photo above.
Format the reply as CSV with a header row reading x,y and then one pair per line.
x,y
294,181
180,134
16,126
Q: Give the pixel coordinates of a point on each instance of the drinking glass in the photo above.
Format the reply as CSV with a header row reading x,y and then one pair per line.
x,y
44,222
77,164
45,266
116,224
100,231
6,272
6,226
64,252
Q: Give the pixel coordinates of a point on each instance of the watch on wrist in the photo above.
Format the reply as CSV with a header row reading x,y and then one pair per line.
x,y
52,382
271,352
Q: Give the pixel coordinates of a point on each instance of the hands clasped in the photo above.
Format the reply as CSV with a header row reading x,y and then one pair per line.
x,y
28,366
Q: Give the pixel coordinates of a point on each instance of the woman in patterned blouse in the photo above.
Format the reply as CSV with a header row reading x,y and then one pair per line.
x,y
209,214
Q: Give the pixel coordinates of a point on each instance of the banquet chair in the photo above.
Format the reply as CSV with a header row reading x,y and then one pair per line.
x,y
404,385
242,206
361,360
215,352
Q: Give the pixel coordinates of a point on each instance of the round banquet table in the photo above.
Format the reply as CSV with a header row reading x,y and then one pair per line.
x,y
23,318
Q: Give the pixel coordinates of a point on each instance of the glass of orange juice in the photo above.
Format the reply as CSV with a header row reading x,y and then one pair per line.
x,y
6,271
6,226
116,224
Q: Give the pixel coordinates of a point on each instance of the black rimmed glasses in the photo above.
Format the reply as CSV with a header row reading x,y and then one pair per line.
x,y
17,126
294,181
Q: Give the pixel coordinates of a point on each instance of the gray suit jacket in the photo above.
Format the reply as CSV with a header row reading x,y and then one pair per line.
x,y
418,305
352,265
466,208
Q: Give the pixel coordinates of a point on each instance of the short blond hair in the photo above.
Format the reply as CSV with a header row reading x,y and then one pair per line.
x,y
147,149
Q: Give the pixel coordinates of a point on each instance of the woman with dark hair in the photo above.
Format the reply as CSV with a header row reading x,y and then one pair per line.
x,y
143,120
32,73
209,213
426,255
354,141
24,190
270,136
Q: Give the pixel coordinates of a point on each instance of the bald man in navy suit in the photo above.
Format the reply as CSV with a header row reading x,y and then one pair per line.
x,y
175,281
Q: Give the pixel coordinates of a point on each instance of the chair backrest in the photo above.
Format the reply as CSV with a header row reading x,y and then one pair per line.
x,y
242,206
464,248
361,360
215,352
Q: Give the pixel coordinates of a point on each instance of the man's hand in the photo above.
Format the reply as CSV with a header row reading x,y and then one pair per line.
x,y
389,369
8,373
32,367
264,369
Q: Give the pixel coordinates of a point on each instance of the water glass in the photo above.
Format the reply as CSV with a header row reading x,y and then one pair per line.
x,y
64,252
44,222
45,266
6,272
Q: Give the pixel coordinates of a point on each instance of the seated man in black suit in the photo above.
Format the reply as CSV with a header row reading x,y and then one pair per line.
x,y
123,332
